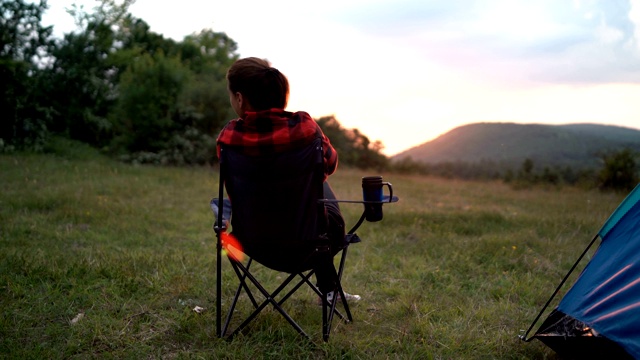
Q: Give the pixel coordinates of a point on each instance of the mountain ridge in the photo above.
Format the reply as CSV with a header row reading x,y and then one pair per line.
x,y
576,145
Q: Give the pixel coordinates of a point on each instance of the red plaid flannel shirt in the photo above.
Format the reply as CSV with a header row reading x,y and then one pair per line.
x,y
274,131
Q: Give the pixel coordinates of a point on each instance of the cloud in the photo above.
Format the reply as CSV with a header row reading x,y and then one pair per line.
x,y
546,41
404,71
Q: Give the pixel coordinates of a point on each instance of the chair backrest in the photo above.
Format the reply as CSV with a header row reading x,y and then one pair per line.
x,y
276,216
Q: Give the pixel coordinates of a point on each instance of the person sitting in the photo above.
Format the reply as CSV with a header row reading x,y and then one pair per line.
x,y
258,94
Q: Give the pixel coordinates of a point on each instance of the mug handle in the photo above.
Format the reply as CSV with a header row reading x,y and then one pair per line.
x,y
388,184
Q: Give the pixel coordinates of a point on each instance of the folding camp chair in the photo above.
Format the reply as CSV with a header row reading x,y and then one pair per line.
x,y
280,217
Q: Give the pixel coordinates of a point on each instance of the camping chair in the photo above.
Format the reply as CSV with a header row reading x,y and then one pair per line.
x,y
278,214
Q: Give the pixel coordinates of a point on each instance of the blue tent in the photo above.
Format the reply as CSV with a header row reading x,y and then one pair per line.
x,y
599,317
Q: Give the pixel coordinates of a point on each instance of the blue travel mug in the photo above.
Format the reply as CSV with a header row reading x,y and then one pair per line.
x,y
373,195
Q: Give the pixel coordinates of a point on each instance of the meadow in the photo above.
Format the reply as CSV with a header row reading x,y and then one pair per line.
x,y
108,260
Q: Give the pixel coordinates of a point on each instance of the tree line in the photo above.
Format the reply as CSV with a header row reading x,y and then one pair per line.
x,y
120,87
618,171
140,97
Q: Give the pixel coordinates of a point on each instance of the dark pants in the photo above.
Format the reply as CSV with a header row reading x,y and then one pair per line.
x,y
326,274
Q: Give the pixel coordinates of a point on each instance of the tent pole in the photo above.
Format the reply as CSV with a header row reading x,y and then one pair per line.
x,y
524,337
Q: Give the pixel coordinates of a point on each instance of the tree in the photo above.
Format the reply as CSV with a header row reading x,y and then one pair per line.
x,y
138,93
620,171
354,148
148,103
23,43
205,102
209,51
199,102
85,73
525,174
22,37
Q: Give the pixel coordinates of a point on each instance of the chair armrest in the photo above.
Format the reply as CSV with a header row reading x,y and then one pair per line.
x,y
385,200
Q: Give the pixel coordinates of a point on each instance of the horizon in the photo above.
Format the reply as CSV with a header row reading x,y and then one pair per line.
x,y
509,123
406,72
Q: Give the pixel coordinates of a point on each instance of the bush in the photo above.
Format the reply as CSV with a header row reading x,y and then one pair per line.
x,y
620,171
190,147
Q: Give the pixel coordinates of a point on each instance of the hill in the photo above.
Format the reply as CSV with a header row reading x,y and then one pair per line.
x,y
575,145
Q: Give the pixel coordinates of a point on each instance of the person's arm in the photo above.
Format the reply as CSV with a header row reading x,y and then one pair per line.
x,y
330,156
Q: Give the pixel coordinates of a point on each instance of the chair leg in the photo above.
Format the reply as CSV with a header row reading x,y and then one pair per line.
x,y
241,285
340,272
269,299
326,323
241,273
319,293
305,278
329,308
219,288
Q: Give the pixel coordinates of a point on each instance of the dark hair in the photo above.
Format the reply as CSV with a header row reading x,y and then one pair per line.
x,y
263,86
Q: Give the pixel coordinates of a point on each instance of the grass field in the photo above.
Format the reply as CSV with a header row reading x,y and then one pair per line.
x,y
102,259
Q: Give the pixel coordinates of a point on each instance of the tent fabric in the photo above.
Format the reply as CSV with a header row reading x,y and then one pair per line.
x,y
606,296
573,339
632,199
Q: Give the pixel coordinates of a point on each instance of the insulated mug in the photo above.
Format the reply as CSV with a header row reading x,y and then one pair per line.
x,y
372,195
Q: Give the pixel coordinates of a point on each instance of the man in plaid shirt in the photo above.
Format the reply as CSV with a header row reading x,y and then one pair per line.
x,y
274,131
258,94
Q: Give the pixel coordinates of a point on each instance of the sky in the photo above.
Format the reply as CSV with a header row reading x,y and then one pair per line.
x,y
404,72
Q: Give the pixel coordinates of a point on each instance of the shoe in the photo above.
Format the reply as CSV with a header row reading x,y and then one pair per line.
x,y
349,297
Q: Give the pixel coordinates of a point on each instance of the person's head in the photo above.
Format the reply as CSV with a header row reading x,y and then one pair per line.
x,y
254,86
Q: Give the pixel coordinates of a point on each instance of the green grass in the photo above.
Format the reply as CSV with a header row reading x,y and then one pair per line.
x,y
454,271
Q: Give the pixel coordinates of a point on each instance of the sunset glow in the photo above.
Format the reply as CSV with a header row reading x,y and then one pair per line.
x,y
404,72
